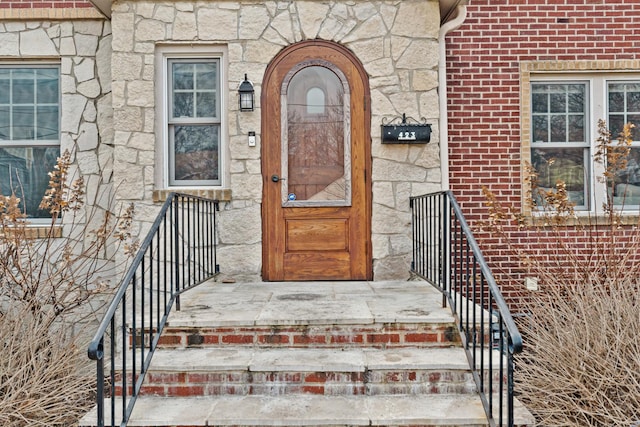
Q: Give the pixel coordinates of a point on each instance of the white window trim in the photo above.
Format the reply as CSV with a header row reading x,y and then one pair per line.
x,y
184,51
589,164
38,222
597,108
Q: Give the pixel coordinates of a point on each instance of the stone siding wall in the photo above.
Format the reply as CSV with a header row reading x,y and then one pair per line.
x,y
397,42
83,51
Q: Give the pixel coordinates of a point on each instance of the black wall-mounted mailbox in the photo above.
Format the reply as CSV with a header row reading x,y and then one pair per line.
x,y
398,131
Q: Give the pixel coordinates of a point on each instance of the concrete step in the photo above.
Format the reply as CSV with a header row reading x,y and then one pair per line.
x,y
309,354
336,315
309,410
275,371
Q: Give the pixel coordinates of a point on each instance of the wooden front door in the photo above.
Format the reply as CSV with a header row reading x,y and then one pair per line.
x,y
316,163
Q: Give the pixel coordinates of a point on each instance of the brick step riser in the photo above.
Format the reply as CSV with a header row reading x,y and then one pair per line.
x,y
313,337
377,382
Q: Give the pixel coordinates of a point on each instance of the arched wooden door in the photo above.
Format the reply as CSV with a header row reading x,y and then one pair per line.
x,y
316,163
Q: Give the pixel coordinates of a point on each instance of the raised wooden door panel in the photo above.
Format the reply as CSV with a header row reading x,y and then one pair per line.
x,y
329,234
316,163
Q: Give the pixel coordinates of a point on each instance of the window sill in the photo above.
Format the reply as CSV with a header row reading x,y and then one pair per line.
x,y
583,219
221,194
36,231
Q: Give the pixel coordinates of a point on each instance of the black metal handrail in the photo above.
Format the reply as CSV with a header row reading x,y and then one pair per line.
x,y
178,253
446,254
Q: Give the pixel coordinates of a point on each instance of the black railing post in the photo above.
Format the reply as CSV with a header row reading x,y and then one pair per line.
x,y
112,370
124,361
510,385
100,382
176,236
187,235
216,205
413,235
134,327
445,252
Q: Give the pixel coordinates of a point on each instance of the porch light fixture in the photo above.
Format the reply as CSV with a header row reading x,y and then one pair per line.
x,y
245,95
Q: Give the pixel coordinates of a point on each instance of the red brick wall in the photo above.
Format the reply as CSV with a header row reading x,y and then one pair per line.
x,y
43,4
483,58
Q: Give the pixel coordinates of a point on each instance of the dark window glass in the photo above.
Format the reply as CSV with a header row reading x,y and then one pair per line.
x,y
29,133
558,113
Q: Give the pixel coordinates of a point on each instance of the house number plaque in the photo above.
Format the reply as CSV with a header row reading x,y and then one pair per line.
x,y
399,131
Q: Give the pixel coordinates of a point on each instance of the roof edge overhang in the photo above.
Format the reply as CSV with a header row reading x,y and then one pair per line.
x,y
448,8
104,6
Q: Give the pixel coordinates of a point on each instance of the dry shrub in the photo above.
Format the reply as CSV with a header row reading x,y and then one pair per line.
x,y
51,289
44,382
581,365
581,362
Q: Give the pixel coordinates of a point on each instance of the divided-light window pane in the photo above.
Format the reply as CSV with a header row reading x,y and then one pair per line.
x,y
5,123
196,153
23,87
24,171
23,125
47,89
182,105
565,165
206,104
47,122
206,77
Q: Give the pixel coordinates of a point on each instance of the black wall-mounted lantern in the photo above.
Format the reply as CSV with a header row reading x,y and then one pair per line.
x,y
245,95
399,131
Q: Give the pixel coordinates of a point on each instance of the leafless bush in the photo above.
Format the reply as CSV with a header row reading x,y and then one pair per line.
x,y
581,364
50,290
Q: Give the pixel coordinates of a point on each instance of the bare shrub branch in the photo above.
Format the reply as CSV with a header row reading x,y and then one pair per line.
x,y
50,290
581,364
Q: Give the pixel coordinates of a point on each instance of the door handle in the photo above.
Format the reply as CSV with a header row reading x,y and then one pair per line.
x,y
276,178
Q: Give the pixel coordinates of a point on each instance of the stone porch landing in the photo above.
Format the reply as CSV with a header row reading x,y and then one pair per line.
x,y
310,354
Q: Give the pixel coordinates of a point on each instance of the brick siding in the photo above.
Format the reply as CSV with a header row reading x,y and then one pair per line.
x,y
43,4
245,382
378,335
484,57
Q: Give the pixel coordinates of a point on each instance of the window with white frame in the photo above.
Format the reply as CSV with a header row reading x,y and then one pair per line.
x,y
624,107
29,132
564,117
193,124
